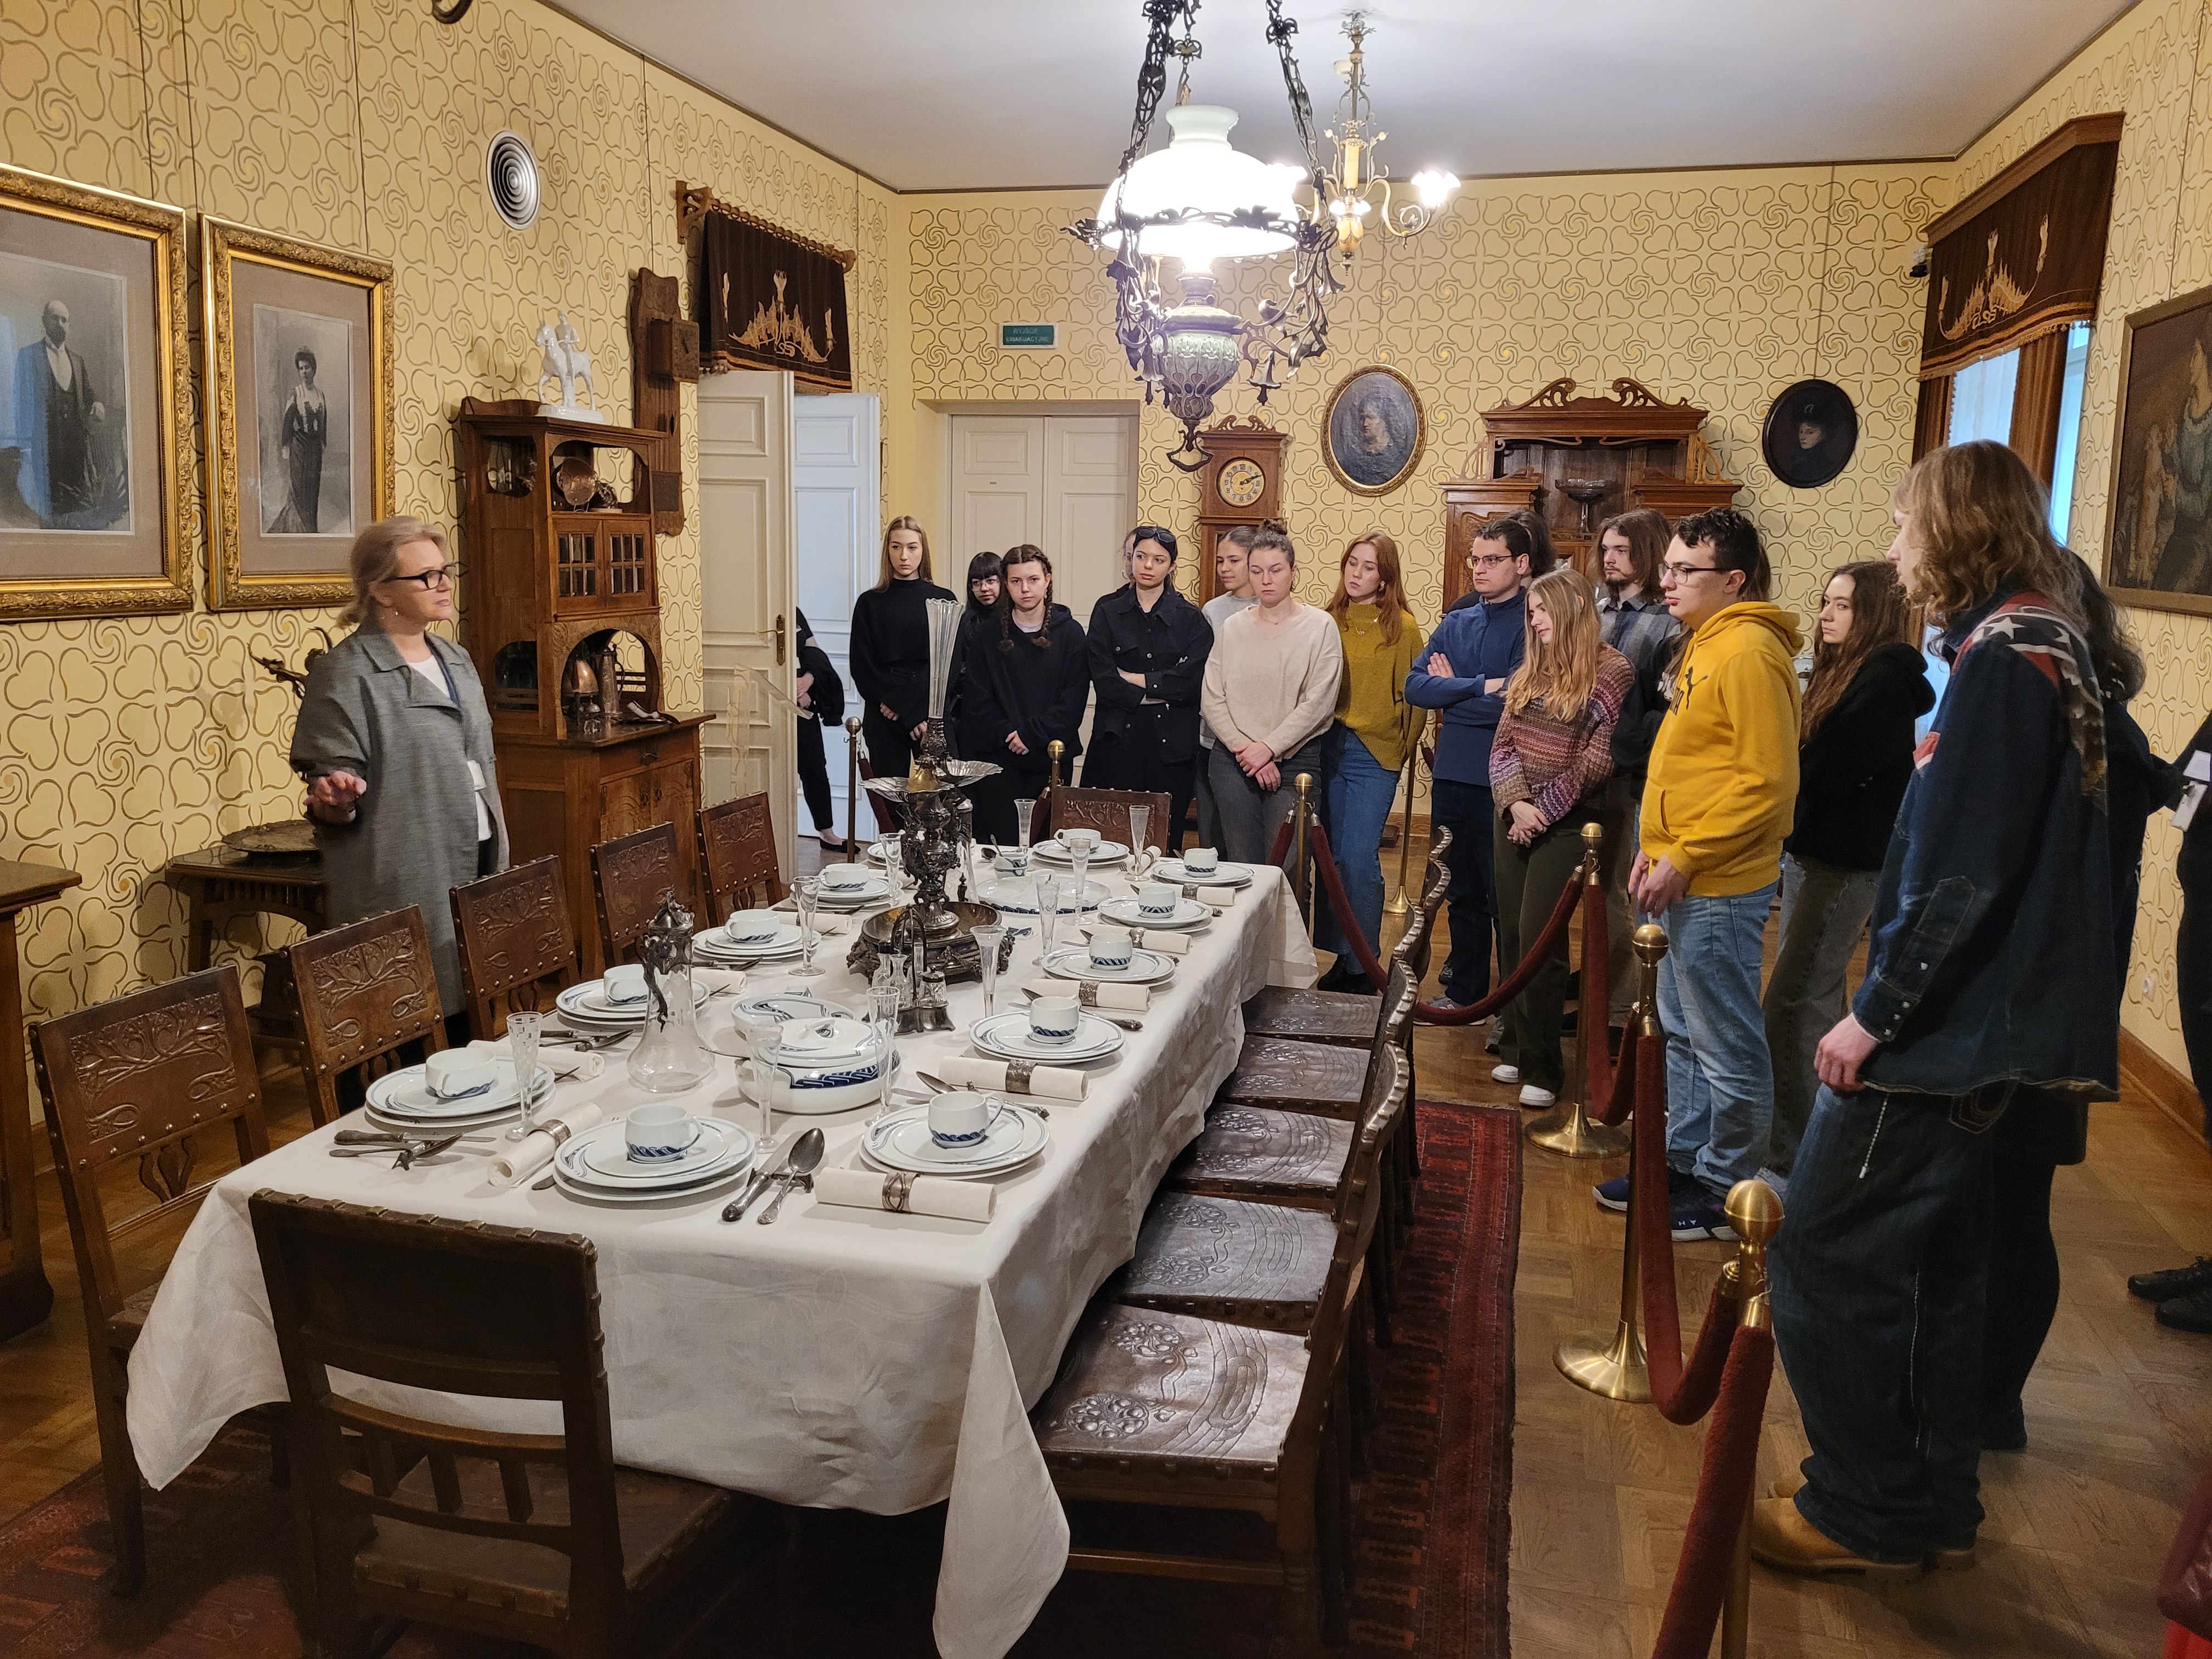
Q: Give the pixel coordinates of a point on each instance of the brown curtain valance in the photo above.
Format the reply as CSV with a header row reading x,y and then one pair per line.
x,y
2024,254
769,300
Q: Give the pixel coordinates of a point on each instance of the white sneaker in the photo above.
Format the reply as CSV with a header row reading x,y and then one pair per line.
x,y
1506,1074
1540,1098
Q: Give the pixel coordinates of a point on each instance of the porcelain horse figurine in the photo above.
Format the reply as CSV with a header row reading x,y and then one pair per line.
x,y
566,363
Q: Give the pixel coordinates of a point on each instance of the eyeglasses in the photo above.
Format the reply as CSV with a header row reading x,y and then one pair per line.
x,y
1490,561
443,576
1682,573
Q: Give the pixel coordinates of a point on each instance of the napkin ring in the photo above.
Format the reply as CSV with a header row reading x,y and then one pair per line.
x,y
558,1129
1190,890
898,1192
1086,992
1018,1074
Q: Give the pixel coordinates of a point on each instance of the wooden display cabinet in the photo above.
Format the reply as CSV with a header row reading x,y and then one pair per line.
x,y
561,594
1630,450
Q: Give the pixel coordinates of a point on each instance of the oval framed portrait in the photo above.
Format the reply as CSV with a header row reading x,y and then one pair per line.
x,y
1811,432
1373,430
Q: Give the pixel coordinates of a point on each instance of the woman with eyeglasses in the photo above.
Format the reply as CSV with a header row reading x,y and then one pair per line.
x,y
394,741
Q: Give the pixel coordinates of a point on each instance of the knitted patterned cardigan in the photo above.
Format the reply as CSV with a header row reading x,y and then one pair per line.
x,y
1552,763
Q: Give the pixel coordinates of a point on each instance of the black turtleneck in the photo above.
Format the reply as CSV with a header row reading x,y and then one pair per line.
x,y
891,646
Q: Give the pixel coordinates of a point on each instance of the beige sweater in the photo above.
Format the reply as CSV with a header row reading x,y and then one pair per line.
x,y
1276,686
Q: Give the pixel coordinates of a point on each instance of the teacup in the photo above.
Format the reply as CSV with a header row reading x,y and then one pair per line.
x,y
1157,899
1201,861
961,1118
1053,1020
750,928
843,877
659,1131
1013,861
454,1072
1110,947
1082,843
623,983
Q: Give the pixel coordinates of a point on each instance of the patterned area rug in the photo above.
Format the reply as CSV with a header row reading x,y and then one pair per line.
x,y
1430,1530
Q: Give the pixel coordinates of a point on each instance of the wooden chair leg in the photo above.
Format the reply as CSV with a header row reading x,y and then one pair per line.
x,y
118,1468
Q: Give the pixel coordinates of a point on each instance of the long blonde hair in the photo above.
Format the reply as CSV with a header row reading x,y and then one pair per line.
x,y
886,575
1563,672
375,558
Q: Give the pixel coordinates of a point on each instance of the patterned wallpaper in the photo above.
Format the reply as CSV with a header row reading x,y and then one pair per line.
x,y
129,742
2156,64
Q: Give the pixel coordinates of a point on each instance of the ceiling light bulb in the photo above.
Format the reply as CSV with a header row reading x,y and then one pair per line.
x,y
1198,172
1434,187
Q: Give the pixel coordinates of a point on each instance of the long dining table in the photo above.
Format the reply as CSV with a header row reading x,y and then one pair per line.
x,y
840,1357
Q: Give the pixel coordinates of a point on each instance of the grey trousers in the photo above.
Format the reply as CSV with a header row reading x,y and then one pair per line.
x,y
1250,815
1824,914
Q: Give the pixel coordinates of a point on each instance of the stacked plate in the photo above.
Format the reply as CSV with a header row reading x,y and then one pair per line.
x,y
1055,852
588,1005
1019,898
901,1140
1223,874
1143,967
1007,1036
403,1100
870,887
597,1165
1190,915
759,939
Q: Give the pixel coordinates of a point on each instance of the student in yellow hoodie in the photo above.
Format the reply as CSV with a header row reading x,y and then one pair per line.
x,y
1717,804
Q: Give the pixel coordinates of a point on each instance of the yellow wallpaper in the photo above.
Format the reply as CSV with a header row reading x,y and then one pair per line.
x,y
128,741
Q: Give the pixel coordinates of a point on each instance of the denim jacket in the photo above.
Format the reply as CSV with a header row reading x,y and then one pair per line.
x,y
1991,958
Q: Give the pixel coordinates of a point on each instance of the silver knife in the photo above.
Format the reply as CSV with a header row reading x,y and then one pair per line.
x,y
736,1206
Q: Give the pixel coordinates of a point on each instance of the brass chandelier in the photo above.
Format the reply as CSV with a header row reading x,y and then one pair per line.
x,y
1358,186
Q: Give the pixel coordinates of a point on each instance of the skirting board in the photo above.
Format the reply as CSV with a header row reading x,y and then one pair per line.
x,y
2172,1092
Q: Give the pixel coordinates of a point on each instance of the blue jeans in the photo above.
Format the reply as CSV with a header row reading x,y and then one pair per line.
x,y
1720,1082
1879,1278
1466,810
1358,804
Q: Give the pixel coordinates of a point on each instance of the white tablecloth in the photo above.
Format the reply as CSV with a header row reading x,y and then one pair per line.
x,y
840,1357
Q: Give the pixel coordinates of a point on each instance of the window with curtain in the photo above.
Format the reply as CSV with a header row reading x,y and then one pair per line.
x,y
1985,401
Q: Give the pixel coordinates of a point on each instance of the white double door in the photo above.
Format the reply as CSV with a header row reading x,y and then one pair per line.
x,y
1066,483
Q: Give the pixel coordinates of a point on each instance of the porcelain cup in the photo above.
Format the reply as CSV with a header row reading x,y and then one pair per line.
x,y
1110,947
453,1073
1053,1020
961,1118
1157,899
847,877
751,927
623,983
658,1133
1201,861
1083,843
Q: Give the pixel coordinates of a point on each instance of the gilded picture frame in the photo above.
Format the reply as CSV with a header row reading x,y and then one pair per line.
x,y
299,430
97,376
1373,430
2158,545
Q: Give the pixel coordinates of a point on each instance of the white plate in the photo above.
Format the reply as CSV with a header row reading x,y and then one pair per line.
x,y
432,1129
1109,851
584,1002
860,893
1007,1036
712,1186
601,1156
1224,875
901,1140
1073,962
1190,915
406,1093
1019,898
717,941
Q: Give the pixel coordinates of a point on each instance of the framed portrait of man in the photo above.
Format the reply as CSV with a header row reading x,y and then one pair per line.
x,y
299,406
93,372
1373,430
2158,531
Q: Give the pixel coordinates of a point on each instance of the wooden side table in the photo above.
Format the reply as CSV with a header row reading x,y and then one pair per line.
x,y
219,883
24,1296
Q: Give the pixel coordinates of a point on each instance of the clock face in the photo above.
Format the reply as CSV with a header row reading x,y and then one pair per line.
x,y
1241,482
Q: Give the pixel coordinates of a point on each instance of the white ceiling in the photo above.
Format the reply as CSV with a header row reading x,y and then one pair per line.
x,y
928,95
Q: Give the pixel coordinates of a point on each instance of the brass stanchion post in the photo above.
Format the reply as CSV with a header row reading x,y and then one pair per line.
x,y
1614,1364
1302,850
1756,1214
1566,1128
1397,903
852,786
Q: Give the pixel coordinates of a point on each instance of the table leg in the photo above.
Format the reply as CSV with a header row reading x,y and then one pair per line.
x,y
24,1295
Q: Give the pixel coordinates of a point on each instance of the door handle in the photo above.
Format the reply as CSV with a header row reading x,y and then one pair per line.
x,y
778,639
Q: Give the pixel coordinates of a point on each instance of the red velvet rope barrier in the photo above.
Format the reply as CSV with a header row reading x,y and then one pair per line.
x,y
1552,940
1701,1580
1332,881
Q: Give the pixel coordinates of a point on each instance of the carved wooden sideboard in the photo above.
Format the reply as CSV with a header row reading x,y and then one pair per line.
x,y
1633,450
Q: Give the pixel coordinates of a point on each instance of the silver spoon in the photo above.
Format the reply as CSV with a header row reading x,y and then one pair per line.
x,y
799,1170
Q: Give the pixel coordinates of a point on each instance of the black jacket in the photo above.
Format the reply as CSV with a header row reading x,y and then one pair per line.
x,y
827,694
1169,646
891,648
1852,771
1015,685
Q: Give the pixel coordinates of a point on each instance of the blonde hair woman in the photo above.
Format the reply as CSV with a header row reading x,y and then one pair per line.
x,y
891,648
1548,766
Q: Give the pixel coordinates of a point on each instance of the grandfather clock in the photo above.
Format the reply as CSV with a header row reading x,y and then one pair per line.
x,y
1239,485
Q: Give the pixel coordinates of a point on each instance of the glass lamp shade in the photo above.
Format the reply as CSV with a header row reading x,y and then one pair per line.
x,y
1199,173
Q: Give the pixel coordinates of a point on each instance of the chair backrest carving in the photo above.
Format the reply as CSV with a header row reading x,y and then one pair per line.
x,y
886,819
137,1078
630,875
737,849
517,945
365,990
1107,810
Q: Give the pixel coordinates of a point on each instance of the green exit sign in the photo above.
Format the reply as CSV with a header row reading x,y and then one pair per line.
x,y
1028,336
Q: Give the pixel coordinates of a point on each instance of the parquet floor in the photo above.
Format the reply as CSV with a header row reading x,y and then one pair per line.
x,y
2119,1421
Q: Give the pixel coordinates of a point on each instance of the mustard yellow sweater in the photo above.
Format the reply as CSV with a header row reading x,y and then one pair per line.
x,y
1371,701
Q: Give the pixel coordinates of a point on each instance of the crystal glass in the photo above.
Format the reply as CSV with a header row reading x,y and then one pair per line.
x,y
1140,824
883,1010
987,941
1048,892
1081,880
523,1031
1024,813
769,1085
807,894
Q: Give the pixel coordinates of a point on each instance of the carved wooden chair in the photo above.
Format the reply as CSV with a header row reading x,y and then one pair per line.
x,y
1162,1409
737,850
630,875
1107,810
516,946
136,1079
369,1003
536,1538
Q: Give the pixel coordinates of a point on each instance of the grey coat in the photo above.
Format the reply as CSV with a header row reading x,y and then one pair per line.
x,y
413,833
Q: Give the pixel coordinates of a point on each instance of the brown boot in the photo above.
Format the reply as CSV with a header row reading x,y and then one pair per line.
x,y
1785,1540
1788,1485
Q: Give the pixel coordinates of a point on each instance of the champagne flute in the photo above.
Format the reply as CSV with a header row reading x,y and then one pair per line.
x,y
807,894
883,1009
760,1029
1024,814
523,1031
1048,892
1140,822
987,941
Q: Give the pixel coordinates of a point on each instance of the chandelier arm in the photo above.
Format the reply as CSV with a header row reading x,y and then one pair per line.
x,y
1281,32
1160,17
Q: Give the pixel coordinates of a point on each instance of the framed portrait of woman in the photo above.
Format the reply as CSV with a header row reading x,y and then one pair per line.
x,y
1373,430
299,413
96,374
2157,532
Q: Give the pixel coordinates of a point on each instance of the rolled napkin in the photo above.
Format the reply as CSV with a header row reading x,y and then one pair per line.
x,y
719,978
1171,944
1219,897
908,1195
562,1062
535,1149
1097,994
1019,1077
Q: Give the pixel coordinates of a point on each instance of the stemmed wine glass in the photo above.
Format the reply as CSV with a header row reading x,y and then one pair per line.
x,y
1140,823
768,1083
523,1030
807,894
883,1002
1024,815
987,941
1048,892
